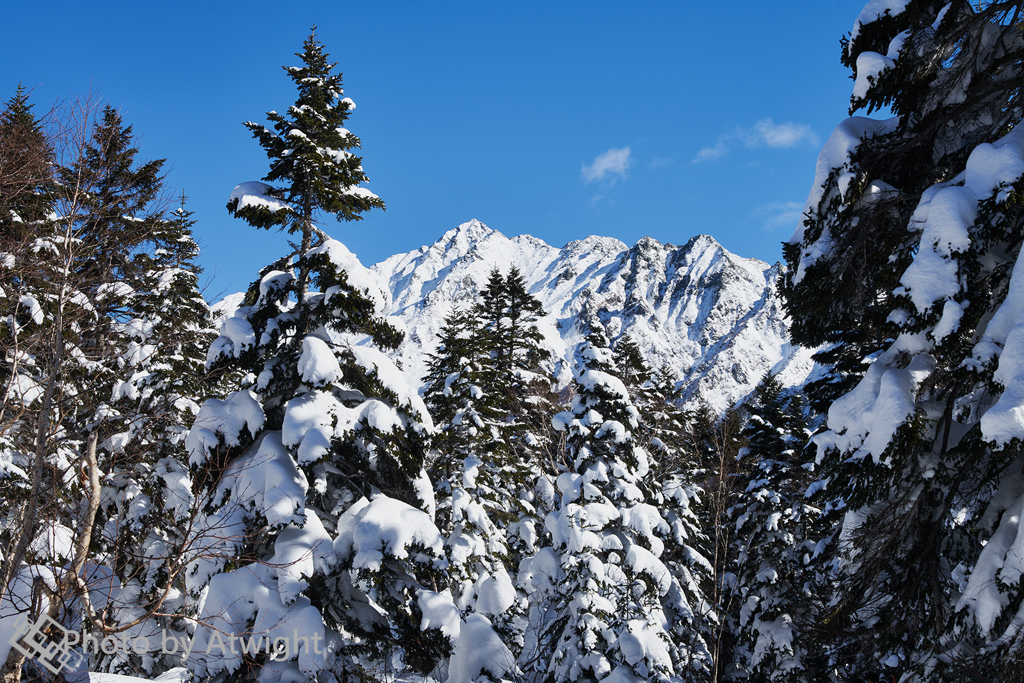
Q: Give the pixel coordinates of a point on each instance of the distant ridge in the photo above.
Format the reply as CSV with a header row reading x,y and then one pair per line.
x,y
713,317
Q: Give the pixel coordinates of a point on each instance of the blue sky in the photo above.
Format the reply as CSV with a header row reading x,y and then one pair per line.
x,y
556,119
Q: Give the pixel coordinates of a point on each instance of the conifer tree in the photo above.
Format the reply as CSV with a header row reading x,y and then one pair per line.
x,y
775,540
509,314
521,392
99,384
148,502
635,370
460,373
660,400
477,484
323,434
312,166
617,595
907,265
26,164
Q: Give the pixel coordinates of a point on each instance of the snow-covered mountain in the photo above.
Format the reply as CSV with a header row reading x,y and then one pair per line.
x,y
713,317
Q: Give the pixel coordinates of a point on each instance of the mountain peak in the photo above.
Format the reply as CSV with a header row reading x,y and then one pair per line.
x,y
471,230
701,243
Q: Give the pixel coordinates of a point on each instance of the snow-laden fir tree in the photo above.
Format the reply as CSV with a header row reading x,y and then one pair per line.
x,y
615,598
148,505
773,545
509,315
908,264
320,510
477,482
98,393
661,432
520,387
468,420
26,156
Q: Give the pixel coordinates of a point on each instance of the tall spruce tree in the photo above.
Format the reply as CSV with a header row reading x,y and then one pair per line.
x,y
509,315
476,481
617,598
26,164
775,528
323,434
907,263
99,384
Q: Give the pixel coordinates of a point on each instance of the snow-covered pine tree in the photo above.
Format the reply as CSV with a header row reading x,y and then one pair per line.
x,y
98,387
26,156
148,505
773,545
662,432
632,365
908,263
509,314
311,158
459,372
615,597
660,400
522,391
323,434
476,481
26,174
710,446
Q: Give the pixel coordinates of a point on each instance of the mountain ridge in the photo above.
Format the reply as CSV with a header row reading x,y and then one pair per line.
x,y
713,317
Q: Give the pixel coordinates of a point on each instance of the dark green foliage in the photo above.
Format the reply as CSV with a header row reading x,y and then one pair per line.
x,y
776,532
920,503
607,595
311,162
103,363
632,366
308,343
460,390
775,424
508,316
26,166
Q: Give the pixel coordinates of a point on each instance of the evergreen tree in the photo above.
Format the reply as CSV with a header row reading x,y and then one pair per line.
x,y
99,383
323,433
906,264
147,500
460,372
617,595
632,365
477,483
660,400
774,543
711,444
310,156
661,432
509,315
26,165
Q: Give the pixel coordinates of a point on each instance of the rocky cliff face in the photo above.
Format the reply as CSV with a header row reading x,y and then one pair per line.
x,y
714,318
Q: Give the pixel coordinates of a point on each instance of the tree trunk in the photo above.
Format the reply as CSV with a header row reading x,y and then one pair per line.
x,y
11,671
27,532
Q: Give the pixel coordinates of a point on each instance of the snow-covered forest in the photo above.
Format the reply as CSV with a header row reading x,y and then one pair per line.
x,y
340,476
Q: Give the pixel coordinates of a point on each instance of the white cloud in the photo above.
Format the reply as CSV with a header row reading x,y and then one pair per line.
x,y
782,135
779,215
763,133
614,162
710,153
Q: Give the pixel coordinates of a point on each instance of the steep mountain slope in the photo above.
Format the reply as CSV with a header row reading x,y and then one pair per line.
x,y
714,318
